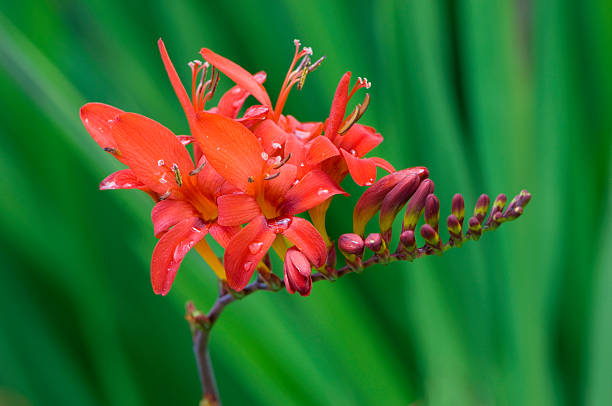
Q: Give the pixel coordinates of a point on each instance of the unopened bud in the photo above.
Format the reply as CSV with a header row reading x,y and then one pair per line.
x,y
454,230
374,242
407,245
414,208
432,211
496,210
475,228
297,272
431,236
394,201
482,207
351,245
458,207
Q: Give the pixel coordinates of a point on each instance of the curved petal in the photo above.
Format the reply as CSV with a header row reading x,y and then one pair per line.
x,y
168,213
338,107
270,136
170,251
97,119
222,234
231,149
360,138
253,115
177,85
123,179
209,181
238,74
231,102
320,149
363,170
236,209
275,189
245,250
381,163
308,240
313,189
151,150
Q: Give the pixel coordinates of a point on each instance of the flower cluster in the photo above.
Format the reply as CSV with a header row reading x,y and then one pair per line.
x,y
250,176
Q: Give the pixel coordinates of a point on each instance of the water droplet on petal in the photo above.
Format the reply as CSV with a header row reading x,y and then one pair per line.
x,y
322,192
264,156
161,162
255,247
248,266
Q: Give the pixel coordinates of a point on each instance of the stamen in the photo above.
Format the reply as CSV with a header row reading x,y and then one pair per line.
x,y
361,82
270,177
165,195
359,111
283,162
251,179
112,151
198,169
177,175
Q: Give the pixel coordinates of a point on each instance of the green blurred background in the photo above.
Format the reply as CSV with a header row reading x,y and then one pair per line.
x,y
492,96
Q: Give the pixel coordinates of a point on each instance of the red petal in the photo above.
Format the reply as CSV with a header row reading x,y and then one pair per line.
x,y
179,89
168,213
311,190
97,119
363,170
170,251
275,189
209,181
270,136
338,108
245,250
308,240
123,179
320,149
223,235
253,115
150,150
230,148
237,209
231,102
239,75
381,163
359,138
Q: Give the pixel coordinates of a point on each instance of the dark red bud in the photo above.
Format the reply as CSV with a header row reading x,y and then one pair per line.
x,y
374,242
394,201
351,244
408,240
432,211
458,207
475,227
496,210
482,207
430,235
454,227
415,206
297,272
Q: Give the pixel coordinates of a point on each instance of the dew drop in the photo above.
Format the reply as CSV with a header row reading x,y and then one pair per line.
x,y
322,192
255,247
161,162
248,266
353,152
264,156
276,145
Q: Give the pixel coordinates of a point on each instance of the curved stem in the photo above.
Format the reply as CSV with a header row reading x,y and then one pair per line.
x,y
210,393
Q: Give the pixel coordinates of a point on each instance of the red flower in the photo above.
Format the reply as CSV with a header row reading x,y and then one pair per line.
x,y
160,164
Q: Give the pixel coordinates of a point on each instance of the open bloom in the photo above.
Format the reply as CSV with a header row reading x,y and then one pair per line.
x,y
159,163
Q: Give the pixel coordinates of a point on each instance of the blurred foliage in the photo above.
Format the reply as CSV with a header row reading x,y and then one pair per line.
x,y
491,96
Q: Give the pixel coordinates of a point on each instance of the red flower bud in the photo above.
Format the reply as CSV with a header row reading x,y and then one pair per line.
x,y
482,207
297,272
394,201
374,242
414,208
432,211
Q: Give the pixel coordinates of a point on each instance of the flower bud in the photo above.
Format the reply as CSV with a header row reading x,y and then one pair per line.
x,y
454,230
431,236
414,208
351,245
496,210
394,201
475,228
374,242
458,207
297,272
482,207
432,211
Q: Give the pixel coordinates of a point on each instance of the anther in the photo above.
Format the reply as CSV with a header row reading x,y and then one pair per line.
x,y
283,162
359,111
112,150
165,195
198,169
177,175
273,176
251,179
